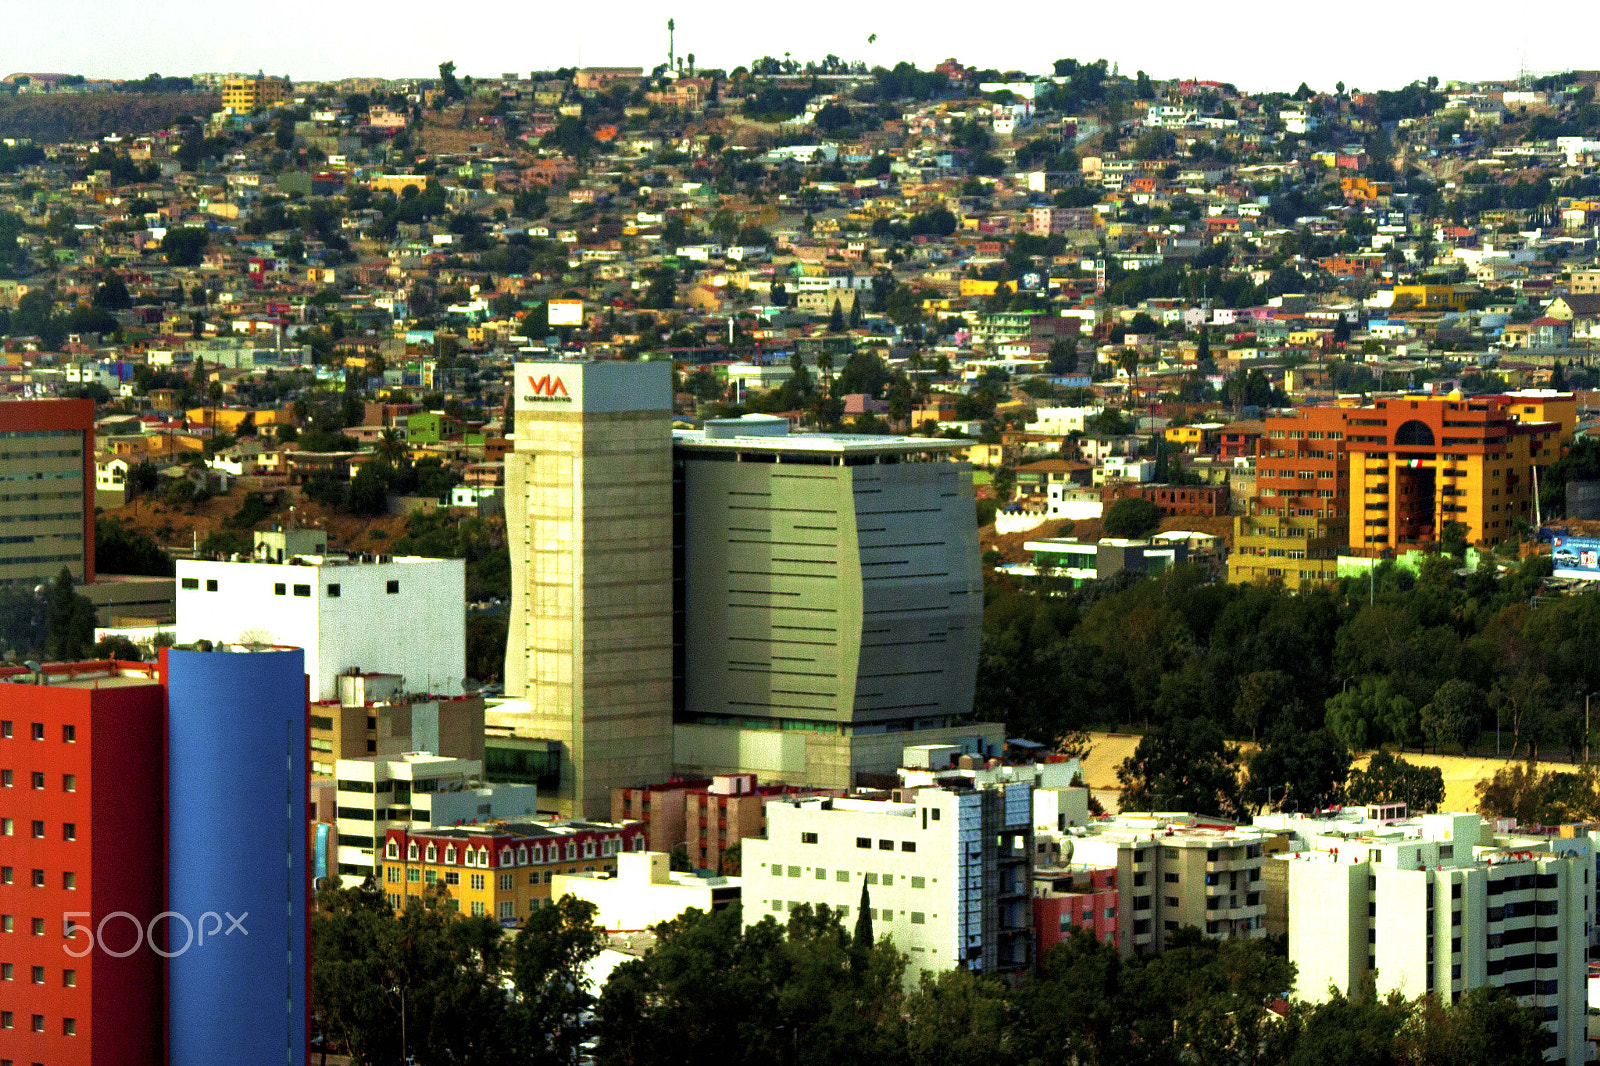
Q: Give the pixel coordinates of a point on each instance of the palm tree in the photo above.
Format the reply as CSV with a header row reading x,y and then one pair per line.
x,y
390,446
825,366
1129,361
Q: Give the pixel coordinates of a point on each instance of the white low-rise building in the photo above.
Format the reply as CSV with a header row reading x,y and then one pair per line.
x,y
416,791
1441,905
947,874
645,891
388,614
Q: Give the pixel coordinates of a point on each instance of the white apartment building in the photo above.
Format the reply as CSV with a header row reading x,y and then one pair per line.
x,y
947,873
383,614
1438,904
645,891
1174,871
414,792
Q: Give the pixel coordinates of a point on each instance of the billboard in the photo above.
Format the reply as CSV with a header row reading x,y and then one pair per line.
x,y
566,312
603,386
1576,557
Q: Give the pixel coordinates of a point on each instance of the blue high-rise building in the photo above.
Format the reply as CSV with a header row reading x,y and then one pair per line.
x,y
237,765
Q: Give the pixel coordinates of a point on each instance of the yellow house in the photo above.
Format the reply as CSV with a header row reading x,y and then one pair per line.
x,y
1200,437
1546,405
979,287
396,183
1429,298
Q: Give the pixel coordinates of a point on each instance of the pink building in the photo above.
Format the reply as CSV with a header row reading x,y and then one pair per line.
x,y
1073,897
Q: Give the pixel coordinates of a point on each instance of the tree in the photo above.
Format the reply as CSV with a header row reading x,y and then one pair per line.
x,y
116,647
1553,797
185,246
547,963
448,82
119,549
1303,770
955,1018
836,318
1390,779
1133,517
1183,765
1455,714
112,293
1371,712
1063,356
68,621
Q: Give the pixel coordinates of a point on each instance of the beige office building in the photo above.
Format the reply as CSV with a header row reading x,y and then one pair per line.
x,y
589,521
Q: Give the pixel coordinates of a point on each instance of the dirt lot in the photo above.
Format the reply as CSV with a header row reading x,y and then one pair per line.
x,y
180,528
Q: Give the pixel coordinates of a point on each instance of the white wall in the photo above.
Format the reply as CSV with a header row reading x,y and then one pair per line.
x,y
419,631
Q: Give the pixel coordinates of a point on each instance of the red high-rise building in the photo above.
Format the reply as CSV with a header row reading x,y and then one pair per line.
x,y
46,491
82,801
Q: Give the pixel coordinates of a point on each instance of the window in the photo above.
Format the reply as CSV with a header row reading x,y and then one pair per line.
x,y
842,875
1172,879
279,588
7,923
5,776
918,918
505,882
432,877
38,1023
6,875
451,877
507,909
885,845
211,584
908,845
391,874
5,1019
5,827
822,875
919,882
38,829
69,880
38,927
808,838
333,592
477,882
38,975
69,734
38,779
5,971
392,588
302,590
69,978
863,842
38,731
190,584
413,874
794,871
38,879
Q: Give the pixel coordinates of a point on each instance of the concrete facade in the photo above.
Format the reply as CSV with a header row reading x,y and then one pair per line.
x,y
644,891
828,591
46,468
397,614
946,874
1439,905
589,521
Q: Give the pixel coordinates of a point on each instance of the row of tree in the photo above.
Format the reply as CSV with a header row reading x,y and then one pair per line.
x,y
442,988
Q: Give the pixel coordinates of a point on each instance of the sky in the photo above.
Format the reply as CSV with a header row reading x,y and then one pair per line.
x,y
1256,44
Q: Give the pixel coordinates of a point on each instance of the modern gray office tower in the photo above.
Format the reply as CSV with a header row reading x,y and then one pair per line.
x,y
827,601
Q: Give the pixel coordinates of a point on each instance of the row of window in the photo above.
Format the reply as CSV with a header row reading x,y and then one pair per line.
x,y
866,842
69,978
821,874
523,856
69,880
69,1026
69,830
69,733
884,914
69,782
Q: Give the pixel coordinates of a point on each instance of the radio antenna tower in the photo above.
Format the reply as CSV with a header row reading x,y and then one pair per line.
x,y
672,26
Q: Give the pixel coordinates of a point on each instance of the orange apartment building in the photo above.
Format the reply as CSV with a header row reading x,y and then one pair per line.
x,y
502,871
1419,464
708,817
1296,524
1388,478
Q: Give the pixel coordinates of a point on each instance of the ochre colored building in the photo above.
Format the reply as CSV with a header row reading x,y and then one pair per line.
x,y
1419,464
500,871
1295,526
